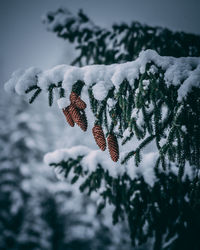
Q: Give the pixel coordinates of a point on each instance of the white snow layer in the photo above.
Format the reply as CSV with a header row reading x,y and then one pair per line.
x,y
182,72
92,158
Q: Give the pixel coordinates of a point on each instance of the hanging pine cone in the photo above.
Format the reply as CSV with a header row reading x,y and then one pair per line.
x,y
73,97
99,137
113,147
80,103
68,116
84,123
78,117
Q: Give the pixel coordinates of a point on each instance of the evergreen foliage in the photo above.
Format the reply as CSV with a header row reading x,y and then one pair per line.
x,y
167,212
152,112
121,43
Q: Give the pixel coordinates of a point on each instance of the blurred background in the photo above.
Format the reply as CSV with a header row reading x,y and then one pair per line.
x,y
37,211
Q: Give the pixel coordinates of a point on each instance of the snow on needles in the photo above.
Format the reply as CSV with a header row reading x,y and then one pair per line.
x,y
93,158
184,72
181,72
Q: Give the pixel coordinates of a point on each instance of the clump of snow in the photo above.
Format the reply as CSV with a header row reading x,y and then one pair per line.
x,y
10,85
54,75
193,80
100,91
111,103
145,84
64,154
126,133
28,79
140,118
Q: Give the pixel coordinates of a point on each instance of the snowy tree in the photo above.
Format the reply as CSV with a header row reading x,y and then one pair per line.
x,y
120,43
36,211
35,232
74,222
146,112
17,148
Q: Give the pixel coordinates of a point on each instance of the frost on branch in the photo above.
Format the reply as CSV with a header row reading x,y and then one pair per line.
x,y
120,43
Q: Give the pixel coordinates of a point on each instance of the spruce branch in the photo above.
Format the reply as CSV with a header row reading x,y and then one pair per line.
x,y
31,88
35,95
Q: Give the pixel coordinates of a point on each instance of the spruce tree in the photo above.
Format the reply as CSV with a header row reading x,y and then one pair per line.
x,y
14,167
121,43
35,233
146,112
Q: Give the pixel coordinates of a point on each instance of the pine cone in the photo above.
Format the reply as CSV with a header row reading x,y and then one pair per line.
x,y
99,137
73,97
113,147
78,117
80,103
68,116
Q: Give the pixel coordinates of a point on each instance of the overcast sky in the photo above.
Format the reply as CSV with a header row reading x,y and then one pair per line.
x,y
25,42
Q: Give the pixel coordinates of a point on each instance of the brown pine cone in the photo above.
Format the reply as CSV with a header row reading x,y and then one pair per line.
x,y
99,137
68,116
77,117
80,103
73,97
113,147
84,123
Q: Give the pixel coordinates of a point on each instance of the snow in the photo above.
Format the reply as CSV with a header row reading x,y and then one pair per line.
x,y
28,79
63,154
54,75
126,133
89,162
91,159
17,130
182,72
100,90
10,85
63,102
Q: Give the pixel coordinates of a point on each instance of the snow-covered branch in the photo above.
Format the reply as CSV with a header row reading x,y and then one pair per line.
x,y
138,100
120,43
181,72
